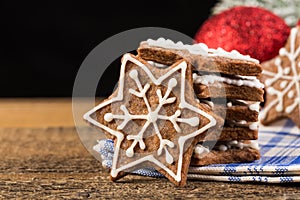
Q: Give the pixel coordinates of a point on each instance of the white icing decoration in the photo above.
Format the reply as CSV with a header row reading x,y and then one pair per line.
x,y
223,147
286,71
253,144
210,79
150,118
210,103
199,149
229,104
247,77
156,64
199,49
291,94
288,81
254,106
254,126
242,122
283,84
239,144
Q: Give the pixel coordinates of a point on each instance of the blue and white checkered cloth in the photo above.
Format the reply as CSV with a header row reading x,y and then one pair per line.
x,y
279,163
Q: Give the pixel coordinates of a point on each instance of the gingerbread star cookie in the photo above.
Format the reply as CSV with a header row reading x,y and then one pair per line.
x,y
281,77
153,118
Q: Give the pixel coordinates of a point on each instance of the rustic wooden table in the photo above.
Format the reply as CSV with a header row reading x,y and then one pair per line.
x,y
45,159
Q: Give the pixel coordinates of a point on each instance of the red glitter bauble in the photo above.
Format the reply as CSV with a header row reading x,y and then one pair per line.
x,y
250,30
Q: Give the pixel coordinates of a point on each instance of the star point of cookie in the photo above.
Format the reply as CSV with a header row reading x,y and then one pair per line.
x,y
281,77
153,117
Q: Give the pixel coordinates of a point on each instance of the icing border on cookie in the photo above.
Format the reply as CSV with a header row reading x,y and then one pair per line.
x,y
211,78
199,49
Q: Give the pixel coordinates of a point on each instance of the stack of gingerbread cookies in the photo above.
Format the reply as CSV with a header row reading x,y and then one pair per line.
x,y
177,105
228,83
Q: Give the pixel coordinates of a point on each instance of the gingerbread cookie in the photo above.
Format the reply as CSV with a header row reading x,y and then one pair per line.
x,y
153,118
239,109
200,56
225,153
213,90
281,76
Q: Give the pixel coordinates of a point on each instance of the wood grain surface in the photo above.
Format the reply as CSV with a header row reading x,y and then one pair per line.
x,y
51,163
36,112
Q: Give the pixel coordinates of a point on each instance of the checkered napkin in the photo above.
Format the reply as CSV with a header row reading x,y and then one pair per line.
x,y
279,163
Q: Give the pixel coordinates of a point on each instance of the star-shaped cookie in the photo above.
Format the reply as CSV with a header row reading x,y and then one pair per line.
x,y
281,77
153,118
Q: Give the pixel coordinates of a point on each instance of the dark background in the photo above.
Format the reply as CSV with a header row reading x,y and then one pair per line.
x,y
43,43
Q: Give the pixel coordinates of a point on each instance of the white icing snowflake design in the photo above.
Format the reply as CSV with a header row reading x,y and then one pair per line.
x,y
289,78
151,118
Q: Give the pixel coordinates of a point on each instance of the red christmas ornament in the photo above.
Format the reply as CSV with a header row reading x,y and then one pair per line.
x,y
250,30
298,23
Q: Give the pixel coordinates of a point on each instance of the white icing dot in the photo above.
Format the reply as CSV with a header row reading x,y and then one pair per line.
x,y
204,46
286,70
279,107
169,158
240,145
254,107
242,122
283,84
179,44
254,145
223,147
133,74
229,104
253,126
233,142
160,39
194,121
177,113
108,117
268,82
142,145
282,51
291,94
277,61
199,149
169,42
129,152
172,83
262,115
240,83
271,91
235,52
